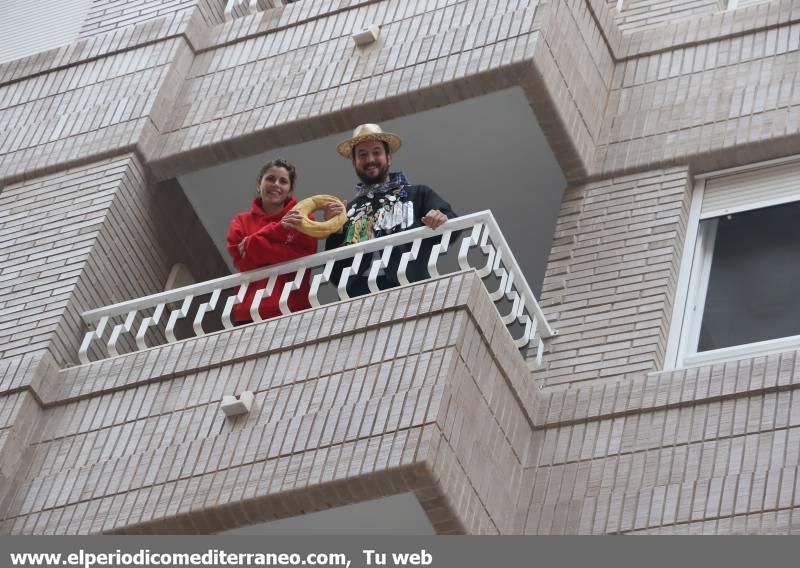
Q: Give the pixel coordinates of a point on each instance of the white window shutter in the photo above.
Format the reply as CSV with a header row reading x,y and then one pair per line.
x,y
28,27
754,189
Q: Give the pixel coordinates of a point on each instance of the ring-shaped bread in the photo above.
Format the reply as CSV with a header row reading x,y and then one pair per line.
x,y
319,229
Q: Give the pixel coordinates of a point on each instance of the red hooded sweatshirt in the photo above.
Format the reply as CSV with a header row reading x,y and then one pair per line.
x,y
268,243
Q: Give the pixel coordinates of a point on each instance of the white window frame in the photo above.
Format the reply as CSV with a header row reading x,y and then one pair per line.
x,y
695,270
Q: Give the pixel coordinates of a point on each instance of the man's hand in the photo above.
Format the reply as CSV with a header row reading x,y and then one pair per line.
x,y
331,210
240,246
292,219
434,219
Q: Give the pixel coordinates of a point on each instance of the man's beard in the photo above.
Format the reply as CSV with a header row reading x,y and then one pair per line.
x,y
378,178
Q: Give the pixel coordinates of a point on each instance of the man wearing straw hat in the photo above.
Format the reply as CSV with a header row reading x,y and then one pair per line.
x,y
385,203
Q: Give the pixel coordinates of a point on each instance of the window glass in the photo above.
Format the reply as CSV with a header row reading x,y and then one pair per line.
x,y
753,289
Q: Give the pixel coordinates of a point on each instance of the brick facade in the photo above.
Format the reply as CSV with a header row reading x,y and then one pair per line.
x,y
389,394
612,274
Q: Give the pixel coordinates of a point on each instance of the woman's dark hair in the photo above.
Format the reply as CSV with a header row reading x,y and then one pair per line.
x,y
278,164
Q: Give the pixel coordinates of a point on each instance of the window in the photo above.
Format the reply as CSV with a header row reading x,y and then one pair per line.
x,y
742,278
27,28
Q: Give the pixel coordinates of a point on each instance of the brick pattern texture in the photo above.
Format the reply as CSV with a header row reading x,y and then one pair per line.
x,y
612,274
574,70
412,400
90,108
88,237
389,393
290,74
104,16
688,103
710,450
643,14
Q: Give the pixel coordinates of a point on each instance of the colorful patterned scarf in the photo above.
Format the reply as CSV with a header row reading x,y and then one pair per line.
x,y
396,179
379,210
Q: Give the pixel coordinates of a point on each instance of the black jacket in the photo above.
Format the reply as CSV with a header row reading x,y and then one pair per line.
x,y
366,208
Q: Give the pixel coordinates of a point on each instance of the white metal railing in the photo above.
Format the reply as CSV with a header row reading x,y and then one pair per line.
x,y
239,8
156,317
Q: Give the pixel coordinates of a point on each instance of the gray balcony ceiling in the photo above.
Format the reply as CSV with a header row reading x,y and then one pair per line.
x,y
483,153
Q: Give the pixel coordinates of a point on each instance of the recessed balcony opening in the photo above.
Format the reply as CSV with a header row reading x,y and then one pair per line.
x,y
482,154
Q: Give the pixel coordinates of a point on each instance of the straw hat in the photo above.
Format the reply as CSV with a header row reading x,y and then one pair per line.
x,y
368,132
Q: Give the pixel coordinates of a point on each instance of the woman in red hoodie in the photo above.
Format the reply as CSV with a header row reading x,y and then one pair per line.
x,y
265,235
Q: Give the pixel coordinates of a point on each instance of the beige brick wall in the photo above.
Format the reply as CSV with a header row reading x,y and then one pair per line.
x,y
612,274
586,81
693,102
110,15
703,450
71,241
642,14
264,89
419,401
93,108
573,72
21,415
50,226
20,380
84,238
611,444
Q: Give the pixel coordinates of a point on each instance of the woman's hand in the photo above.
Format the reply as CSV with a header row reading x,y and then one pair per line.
x,y
241,248
292,219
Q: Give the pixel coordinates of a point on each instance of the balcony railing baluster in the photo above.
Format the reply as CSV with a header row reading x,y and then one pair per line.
x,y
351,270
96,333
436,250
377,265
238,298
146,323
176,315
118,329
318,280
505,279
407,257
259,295
288,288
197,325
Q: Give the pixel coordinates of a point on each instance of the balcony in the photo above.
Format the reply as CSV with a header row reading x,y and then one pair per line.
x,y
416,391
419,394
472,242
